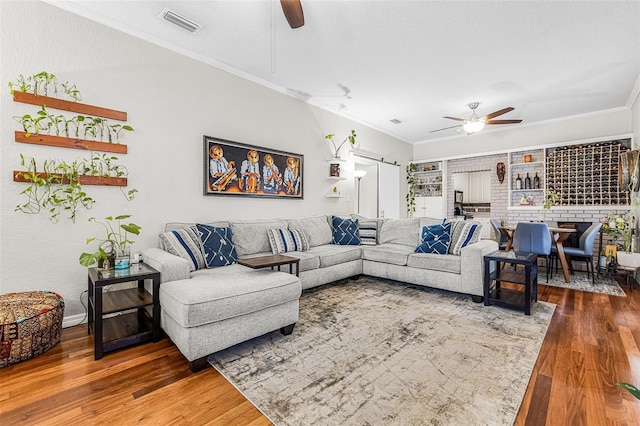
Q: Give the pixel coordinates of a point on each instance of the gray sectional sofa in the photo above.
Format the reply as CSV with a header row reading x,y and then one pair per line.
x,y
209,309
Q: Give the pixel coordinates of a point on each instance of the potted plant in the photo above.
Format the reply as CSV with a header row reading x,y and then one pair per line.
x,y
336,148
622,226
115,244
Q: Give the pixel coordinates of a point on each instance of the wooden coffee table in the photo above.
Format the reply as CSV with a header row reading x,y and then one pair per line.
x,y
271,262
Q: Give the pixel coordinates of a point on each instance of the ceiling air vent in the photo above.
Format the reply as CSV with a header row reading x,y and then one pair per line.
x,y
395,121
180,21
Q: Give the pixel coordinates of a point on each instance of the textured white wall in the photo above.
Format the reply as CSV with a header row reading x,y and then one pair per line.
x,y
172,101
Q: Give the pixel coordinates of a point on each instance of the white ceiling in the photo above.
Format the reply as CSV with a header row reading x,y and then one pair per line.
x,y
414,61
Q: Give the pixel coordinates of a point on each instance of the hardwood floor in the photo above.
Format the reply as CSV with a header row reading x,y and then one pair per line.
x,y
592,343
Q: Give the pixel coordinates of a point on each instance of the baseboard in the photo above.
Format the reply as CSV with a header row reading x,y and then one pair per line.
x,y
73,320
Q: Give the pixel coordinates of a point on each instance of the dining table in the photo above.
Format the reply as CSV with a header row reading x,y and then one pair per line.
x,y
558,236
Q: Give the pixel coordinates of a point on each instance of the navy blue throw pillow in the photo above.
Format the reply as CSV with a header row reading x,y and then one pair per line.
x,y
435,239
217,246
345,231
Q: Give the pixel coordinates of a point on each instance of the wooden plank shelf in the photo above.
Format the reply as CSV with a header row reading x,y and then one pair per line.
x,y
64,142
22,176
49,102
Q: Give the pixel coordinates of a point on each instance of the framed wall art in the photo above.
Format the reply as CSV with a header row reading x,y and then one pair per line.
x,y
233,168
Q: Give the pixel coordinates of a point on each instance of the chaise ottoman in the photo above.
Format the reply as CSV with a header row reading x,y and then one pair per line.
x,y
30,324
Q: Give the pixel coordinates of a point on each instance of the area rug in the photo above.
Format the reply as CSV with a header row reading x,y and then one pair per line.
x,y
374,352
604,283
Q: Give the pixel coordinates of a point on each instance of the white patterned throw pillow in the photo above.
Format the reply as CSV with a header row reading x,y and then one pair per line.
x,y
185,243
286,240
463,233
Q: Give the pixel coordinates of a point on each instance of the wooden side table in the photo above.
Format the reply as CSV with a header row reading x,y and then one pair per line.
x,y
271,262
494,294
122,317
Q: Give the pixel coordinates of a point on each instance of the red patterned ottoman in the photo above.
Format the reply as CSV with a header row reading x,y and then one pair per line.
x,y
30,324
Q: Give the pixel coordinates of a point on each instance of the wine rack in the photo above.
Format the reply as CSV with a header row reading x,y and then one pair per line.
x,y
587,174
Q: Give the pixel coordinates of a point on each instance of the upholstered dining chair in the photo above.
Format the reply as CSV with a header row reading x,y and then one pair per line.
x,y
585,249
533,237
501,238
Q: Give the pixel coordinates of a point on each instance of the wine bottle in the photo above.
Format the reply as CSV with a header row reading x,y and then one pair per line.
x,y
527,182
518,182
536,181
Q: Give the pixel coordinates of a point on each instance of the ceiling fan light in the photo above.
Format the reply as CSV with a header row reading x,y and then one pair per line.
x,y
473,126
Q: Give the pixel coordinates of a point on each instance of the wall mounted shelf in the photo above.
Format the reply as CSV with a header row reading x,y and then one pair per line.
x,y
335,178
49,102
22,176
64,142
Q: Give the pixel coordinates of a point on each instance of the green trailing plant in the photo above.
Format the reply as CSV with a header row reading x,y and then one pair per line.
x,y
57,189
620,226
95,127
412,184
41,83
116,129
632,389
336,148
549,201
117,236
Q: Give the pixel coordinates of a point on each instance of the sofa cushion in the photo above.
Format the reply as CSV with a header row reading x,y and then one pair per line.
x,y
395,254
368,229
217,245
286,240
401,231
435,262
345,231
250,236
184,242
435,239
222,293
332,254
316,228
463,233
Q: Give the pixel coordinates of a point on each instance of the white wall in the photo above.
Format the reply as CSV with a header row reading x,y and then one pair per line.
x,y
172,101
597,125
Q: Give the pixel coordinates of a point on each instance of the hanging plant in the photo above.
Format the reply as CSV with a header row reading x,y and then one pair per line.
x,y
411,190
57,188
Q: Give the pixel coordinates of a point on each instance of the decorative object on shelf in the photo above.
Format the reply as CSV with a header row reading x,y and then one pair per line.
x,y
335,191
500,171
334,170
115,243
536,181
528,158
336,148
412,183
518,182
526,200
359,174
628,171
527,182
233,168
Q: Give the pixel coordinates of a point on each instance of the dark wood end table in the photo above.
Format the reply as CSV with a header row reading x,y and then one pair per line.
x,y
272,261
494,294
124,328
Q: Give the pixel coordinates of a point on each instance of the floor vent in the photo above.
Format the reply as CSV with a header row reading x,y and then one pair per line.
x,y
179,20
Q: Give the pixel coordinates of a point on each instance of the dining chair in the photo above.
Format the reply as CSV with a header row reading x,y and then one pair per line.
x,y
584,251
533,237
501,238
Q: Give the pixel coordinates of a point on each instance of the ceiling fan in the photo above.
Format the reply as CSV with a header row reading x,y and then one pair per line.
x,y
475,123
293,12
